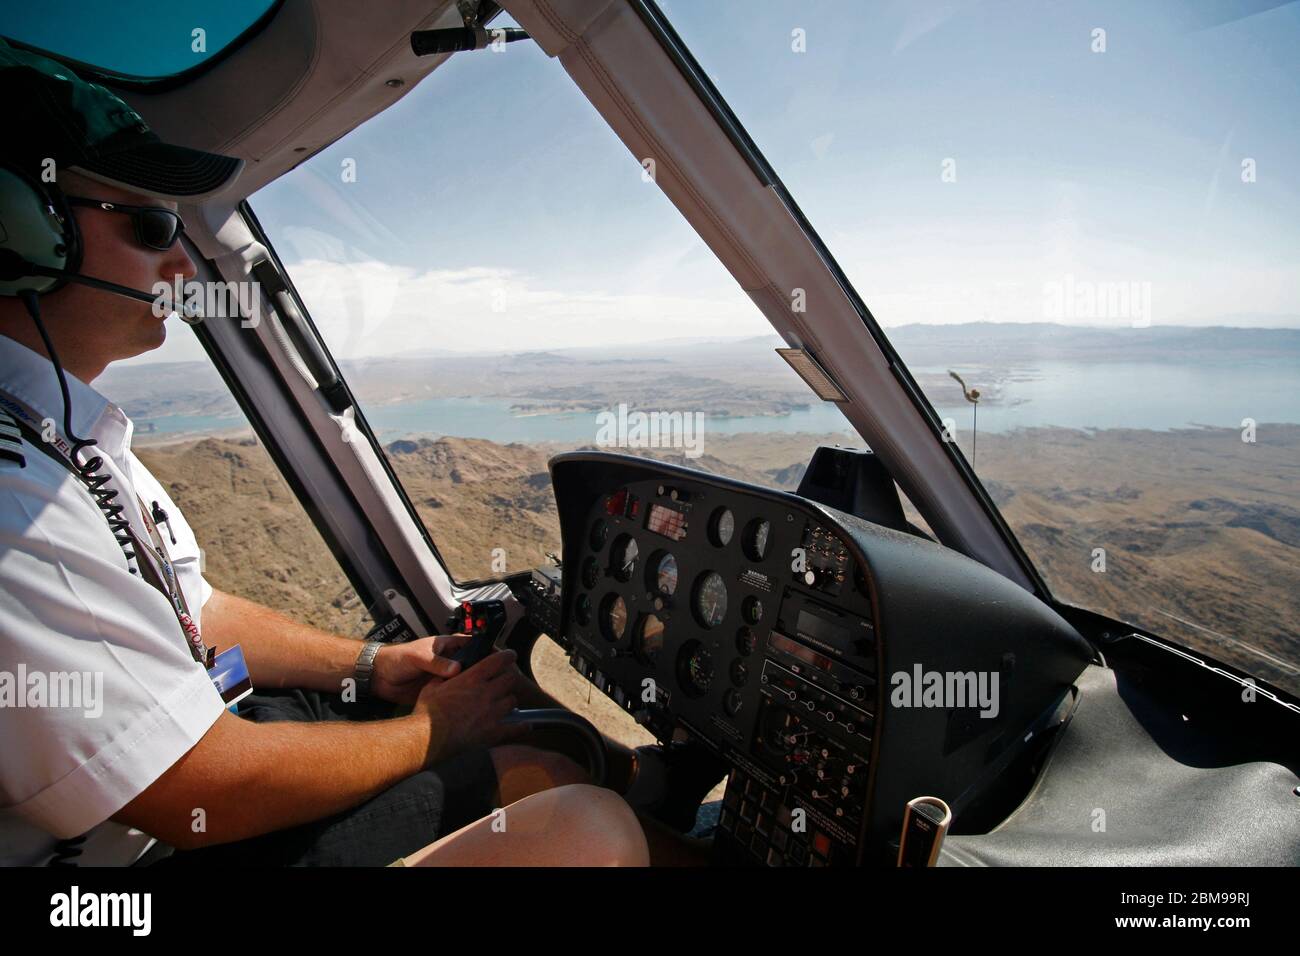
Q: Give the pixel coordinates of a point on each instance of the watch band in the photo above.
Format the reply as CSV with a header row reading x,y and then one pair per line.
x,y
365,668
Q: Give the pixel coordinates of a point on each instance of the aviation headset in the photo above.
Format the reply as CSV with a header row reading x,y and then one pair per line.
x,y
41,247
36,226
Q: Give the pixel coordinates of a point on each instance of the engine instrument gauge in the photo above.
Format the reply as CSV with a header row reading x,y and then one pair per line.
x,y
711,599
590,572
722,525
582,609
754,543
732,702
695,668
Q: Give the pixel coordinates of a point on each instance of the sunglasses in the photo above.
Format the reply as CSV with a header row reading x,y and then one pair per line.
x,y
155,226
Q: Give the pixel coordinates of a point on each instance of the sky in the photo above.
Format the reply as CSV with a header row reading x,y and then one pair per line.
x,y
961,160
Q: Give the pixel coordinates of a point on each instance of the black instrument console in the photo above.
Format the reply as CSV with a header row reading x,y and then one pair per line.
x,y
775,630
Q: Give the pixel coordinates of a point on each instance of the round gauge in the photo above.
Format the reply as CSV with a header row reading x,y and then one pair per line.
x,y
711,599
590,572
739,672
622,557
662,574
694,669
650,639
599,532
613,618
722,525
746,641
732,701
754,543
751,609
582,609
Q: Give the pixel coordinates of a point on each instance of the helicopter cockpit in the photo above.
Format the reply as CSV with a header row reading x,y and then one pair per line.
x,y
860,661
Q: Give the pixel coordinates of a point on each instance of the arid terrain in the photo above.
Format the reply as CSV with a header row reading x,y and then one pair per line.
x,y
1200,530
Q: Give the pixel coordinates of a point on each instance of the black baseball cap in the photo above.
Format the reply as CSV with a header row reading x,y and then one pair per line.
x,y
54,114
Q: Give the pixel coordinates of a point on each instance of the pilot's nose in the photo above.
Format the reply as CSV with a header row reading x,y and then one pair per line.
x,y
178,262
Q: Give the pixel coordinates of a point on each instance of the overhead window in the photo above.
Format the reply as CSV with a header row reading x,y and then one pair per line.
x,y
134,40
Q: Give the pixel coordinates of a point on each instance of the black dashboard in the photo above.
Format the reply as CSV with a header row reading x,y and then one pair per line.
x,y
809,649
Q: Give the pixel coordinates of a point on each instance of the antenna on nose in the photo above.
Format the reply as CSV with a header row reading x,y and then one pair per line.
x,y
971,395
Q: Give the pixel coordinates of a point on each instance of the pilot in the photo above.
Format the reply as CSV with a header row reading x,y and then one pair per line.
x,y
115,742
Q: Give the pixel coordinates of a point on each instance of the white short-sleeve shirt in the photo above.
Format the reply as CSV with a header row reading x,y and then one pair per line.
x,y
99,693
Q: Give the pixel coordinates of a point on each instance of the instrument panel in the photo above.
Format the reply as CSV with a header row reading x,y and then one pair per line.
x,y
769,628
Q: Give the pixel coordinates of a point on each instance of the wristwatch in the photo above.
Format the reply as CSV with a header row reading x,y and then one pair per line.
x,y
365,668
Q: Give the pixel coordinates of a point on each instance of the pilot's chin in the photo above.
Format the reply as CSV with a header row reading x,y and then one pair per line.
x,y
154,335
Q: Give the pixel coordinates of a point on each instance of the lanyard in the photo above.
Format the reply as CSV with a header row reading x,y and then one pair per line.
x,y
161,575
172,584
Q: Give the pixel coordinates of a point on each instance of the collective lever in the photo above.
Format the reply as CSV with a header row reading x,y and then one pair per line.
x,y
925,823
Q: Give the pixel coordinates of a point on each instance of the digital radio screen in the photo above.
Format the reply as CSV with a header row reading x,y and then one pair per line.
x,y
779,642
814,627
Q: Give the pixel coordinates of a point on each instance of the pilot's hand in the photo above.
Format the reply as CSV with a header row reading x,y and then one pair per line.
x,y
466,711
401,670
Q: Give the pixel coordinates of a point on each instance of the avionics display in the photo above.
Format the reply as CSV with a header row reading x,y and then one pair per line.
x,y
814,627
667,522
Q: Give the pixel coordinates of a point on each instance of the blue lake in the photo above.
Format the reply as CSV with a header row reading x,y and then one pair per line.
x,y
1068,394
1137,395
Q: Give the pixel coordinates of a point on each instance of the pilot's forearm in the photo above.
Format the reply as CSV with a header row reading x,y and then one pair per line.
x,y
280,652
248,778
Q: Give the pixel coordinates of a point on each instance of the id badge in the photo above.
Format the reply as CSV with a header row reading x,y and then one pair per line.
x,y
230,677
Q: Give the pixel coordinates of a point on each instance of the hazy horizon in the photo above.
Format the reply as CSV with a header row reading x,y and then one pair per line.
x,y
174,353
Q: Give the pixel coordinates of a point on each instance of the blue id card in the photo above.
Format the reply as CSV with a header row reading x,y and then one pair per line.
x,y
230,677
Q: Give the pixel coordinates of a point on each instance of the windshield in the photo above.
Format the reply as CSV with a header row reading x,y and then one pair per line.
x,y
1092,220
1087,260
133,39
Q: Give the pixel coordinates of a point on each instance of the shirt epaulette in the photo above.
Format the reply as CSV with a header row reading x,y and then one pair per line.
x,y
11,440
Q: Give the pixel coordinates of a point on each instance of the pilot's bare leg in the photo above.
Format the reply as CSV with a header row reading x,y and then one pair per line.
x,y
574,825
667,846
523,770
620,760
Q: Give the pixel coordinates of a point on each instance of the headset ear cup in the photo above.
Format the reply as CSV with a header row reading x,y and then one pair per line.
x,y
37,225
72,246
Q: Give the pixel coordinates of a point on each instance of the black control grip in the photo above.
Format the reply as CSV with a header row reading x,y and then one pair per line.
x,y
483,621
